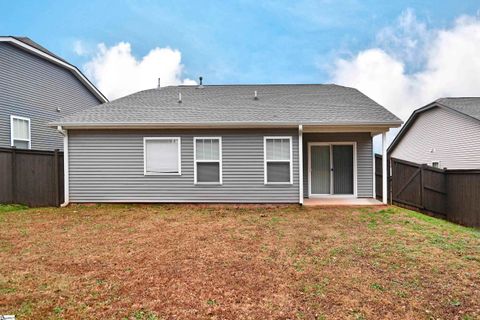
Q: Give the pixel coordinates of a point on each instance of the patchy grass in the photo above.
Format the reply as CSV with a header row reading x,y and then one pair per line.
x,y
11,207
226,262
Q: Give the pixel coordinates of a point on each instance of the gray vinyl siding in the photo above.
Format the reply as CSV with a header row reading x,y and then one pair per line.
x,y
364,158
441,135
33,87
107,166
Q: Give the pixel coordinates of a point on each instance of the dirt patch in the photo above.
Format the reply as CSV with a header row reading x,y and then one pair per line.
x,y
236,262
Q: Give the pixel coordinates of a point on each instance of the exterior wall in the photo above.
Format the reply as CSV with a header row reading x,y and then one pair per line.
x,y
107,166
441,135
32,87
364,158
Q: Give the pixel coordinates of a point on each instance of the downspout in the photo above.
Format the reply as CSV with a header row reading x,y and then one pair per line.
x,y
300,164
65,166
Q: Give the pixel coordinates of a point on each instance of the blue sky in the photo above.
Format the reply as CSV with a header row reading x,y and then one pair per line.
x,y
225,41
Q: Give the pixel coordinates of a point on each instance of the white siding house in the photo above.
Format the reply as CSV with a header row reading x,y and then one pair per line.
x,y
444,134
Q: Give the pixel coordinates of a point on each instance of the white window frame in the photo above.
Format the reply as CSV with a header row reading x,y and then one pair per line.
x,y
437,161
179,173
12,138
355,170
220,161
265,159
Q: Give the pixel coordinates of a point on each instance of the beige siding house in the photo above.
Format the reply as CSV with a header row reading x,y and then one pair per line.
x,y
444,134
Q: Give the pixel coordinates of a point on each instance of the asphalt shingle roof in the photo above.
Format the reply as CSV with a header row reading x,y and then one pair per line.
x,y
32,43
468,105
235,104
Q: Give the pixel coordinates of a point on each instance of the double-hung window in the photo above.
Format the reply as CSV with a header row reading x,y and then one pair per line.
x,y
208,160
278,160
20,132
162,156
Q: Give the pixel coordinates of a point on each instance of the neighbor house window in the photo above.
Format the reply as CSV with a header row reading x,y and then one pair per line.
x,y
208,160
20,132
436,164
162,156
278,160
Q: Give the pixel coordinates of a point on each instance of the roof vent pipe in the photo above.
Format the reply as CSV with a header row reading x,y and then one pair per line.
x,y
179,97
201,82
255,95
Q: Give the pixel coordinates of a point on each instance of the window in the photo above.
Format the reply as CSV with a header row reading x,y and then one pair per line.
x,y
162,156
436,164
20,132
278,160
208,160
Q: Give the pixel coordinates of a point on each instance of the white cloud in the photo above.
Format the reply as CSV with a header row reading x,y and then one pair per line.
x,y
117,72
390,73
408,39
79,48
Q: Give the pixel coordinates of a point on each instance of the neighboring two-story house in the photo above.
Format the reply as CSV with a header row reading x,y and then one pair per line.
x,y
443,134
38,87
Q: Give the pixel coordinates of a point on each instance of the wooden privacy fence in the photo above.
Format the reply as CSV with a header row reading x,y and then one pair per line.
x,y
31,177
450,194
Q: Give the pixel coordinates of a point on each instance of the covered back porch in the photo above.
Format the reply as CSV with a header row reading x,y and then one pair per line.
x,y
338,165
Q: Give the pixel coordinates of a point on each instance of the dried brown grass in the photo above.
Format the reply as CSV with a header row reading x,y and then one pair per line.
x,y
236,262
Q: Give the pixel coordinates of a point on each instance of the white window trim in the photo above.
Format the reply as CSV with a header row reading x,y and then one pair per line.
x,y
12,138
179,173
265,159
220,161
437,161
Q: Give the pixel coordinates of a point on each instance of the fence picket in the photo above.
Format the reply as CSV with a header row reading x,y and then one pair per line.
x,y
24,171
450,194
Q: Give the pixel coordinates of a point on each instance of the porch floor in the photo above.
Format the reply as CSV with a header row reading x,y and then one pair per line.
x,y
339,201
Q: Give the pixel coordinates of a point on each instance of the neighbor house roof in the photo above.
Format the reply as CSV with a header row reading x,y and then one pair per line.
x,y
236,105
36,49
465,106
469,106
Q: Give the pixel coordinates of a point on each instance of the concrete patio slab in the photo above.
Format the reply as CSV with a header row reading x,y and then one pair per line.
x,y
341,201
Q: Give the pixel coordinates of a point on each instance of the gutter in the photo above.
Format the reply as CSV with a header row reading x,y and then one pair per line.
x,y
167,125
65,167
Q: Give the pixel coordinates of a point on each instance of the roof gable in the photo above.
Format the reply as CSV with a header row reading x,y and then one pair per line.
x,y
465,107
36,49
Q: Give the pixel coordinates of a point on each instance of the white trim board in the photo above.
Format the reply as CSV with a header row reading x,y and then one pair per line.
x,y
300,164
331,144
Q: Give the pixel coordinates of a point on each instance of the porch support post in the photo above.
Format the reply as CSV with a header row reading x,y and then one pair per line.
x,y
66,175
384,168
300,164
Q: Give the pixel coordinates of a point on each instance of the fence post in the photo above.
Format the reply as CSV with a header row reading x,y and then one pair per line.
x,y
56,183
393,166
14,182
422,186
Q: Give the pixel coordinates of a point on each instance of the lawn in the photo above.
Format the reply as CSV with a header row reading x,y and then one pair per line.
x,y
225,262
